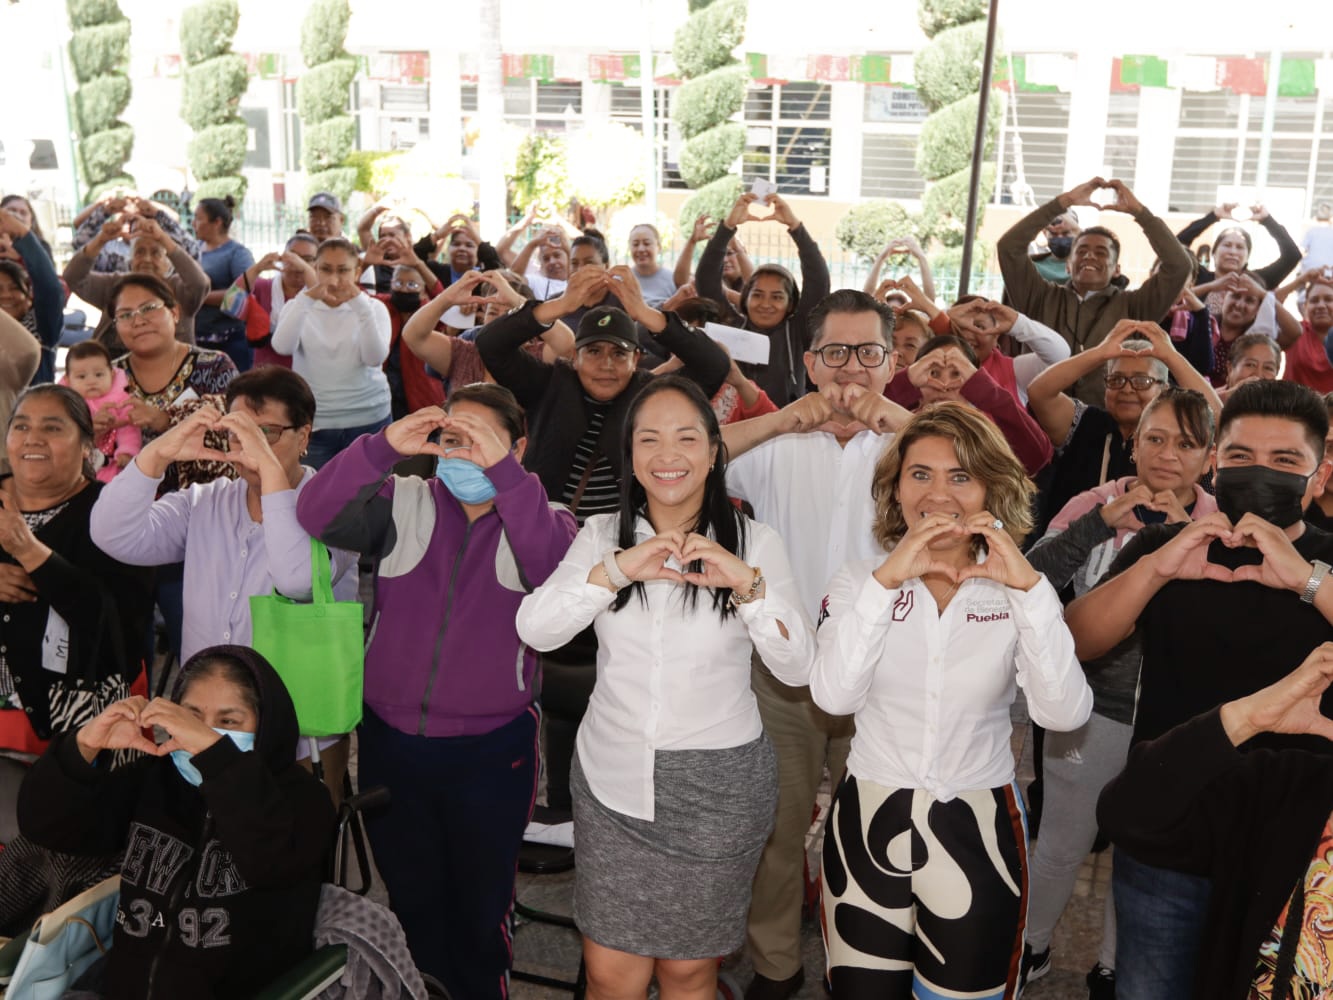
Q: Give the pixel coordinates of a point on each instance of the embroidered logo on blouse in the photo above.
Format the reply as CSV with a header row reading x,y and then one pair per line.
x,y
986,611
902,607
823,612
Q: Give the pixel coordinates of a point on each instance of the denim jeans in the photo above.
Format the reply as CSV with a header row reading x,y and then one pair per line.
x,y
324,444
1159,917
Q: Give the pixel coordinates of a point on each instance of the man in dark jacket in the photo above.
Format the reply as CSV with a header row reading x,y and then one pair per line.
x,y
1259,824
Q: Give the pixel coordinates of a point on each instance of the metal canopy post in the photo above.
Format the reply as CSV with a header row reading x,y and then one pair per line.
x,y
978,150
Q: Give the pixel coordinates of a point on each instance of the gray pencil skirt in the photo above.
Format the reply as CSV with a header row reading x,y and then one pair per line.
x,y
677,887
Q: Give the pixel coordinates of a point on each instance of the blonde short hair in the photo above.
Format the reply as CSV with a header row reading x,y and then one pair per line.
x,y
982,452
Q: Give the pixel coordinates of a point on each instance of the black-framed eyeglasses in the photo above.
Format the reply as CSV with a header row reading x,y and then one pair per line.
x,y
1139,382
271,432
837,355
144,311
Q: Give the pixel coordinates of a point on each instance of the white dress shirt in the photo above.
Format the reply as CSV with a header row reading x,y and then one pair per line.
x,y
817,495
668,677
931,691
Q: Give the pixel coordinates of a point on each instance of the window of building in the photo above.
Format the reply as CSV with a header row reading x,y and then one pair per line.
x,y
891,129
1219,139
543,107
627,110
788,141
291,126
404,118
1121,152
1036,136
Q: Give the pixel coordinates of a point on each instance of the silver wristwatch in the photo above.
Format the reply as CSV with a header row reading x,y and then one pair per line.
x,y
1317,575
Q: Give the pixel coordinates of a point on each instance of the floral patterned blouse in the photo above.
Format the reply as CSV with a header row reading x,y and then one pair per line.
x,y
202,379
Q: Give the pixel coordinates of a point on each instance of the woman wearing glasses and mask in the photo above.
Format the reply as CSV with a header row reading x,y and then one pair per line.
x,y
1094,444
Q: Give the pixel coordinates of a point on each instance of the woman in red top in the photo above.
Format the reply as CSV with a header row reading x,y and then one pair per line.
x,y
1307,361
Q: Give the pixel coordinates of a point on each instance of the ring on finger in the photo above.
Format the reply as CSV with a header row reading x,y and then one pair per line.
x,y
997,524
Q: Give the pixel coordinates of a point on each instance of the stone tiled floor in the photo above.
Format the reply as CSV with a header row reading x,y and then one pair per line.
x,y
1073,950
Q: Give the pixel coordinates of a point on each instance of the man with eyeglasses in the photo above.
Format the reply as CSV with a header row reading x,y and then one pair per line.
x,y
806,470
1095,444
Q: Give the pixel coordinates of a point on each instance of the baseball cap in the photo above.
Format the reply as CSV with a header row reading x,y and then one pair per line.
x,y
610,324
327,201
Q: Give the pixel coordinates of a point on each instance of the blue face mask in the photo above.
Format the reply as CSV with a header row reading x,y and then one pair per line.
x,y
181,758
465,480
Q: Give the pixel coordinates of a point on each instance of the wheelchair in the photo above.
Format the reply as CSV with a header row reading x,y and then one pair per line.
x,y
306,980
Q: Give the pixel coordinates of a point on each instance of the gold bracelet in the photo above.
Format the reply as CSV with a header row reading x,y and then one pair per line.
x,y
755,584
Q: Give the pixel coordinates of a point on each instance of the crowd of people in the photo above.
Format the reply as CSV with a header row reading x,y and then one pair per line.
x,y
527,456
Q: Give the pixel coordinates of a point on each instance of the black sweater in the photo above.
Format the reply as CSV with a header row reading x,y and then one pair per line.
x,y
1289,254
783,378
1192,802
106,604
220,883
553,395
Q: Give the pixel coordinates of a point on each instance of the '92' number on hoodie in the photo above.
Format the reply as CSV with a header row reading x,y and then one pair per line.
x,y
204,928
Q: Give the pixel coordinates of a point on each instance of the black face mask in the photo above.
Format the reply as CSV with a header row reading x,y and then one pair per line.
x,y
1256,489
405,302
1059,246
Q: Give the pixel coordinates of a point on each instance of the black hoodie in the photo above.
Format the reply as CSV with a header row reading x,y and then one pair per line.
x,y
219,883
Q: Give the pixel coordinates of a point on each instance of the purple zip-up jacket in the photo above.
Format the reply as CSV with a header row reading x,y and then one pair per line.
x,y
442,656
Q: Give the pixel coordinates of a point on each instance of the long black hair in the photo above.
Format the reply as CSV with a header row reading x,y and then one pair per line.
x,y
718,517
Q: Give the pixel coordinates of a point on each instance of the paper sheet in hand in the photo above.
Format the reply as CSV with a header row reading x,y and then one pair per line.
x,y
455,317
744,345
762,189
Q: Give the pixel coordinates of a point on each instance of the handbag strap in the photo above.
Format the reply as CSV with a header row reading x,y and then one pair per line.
x,y
321,573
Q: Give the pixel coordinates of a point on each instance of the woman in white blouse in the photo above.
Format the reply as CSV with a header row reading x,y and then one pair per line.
x,y
925,858
674,781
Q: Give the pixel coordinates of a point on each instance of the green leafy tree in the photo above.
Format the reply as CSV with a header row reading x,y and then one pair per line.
x,y
329,132
541,172
948,79
99,52
869,227
713,91
214,80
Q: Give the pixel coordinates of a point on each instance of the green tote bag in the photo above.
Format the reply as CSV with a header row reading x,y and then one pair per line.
x,y
317,649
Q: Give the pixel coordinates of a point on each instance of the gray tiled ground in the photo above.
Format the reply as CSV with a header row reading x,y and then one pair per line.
x,y
552,951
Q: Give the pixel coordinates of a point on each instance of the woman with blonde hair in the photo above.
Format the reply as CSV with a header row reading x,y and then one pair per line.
x,y
925,858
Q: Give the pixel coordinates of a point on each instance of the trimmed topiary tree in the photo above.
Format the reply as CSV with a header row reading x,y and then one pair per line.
x,y
948,79
867,228
214,80
713,91
99,52
329,132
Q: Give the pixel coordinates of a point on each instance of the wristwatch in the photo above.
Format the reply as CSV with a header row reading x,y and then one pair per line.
x,y
1317,575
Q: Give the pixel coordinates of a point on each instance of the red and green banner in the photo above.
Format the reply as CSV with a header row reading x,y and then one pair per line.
x,y
528,67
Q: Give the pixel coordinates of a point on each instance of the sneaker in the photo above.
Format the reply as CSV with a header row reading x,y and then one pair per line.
x,y
1035,964
1101,983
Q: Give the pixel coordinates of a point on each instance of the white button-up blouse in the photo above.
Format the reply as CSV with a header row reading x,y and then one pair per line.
x,y
669,677
931,691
